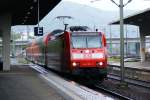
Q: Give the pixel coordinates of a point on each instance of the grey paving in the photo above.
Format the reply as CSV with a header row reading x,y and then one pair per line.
x,y
23,83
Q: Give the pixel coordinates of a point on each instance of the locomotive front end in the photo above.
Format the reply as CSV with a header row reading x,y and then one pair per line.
x,y
88,53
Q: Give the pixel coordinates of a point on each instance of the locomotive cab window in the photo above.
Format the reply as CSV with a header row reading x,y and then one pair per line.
x,y
86,41
94,42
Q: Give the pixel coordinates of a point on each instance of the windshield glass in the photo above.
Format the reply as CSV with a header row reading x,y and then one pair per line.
x,y
86,41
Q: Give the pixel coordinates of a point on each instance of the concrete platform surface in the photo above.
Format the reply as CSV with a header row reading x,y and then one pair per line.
x,y
23,83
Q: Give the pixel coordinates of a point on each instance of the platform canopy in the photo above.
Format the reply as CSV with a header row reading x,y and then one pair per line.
x,y
24,12
141,19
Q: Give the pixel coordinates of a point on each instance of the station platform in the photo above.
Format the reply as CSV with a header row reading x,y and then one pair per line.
x,y
32,82
136,65
23,83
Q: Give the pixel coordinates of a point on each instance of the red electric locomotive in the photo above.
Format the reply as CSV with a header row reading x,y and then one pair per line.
x,y
79,53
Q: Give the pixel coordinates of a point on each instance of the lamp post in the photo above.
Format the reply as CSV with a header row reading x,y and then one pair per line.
x,y
27,33
126,41
121,5
38,14
13,44
110,40
21,42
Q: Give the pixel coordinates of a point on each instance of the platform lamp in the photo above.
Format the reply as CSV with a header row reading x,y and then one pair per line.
x,y
121,5
110,39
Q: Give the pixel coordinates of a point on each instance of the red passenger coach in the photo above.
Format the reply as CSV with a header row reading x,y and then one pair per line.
x,y
78,53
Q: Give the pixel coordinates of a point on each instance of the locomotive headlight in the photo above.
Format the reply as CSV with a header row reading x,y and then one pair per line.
x,y
100,63
97,55
74,64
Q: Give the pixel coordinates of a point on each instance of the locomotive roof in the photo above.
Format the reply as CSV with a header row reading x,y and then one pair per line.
x,y
86,33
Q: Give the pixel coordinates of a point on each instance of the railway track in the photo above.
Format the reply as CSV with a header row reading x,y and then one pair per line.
x,y
120,96
123,91
131,81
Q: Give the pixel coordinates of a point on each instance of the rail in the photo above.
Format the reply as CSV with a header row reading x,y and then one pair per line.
x,y
134,76
120,96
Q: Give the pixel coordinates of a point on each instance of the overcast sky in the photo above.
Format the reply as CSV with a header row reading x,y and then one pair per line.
x,y
108,5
